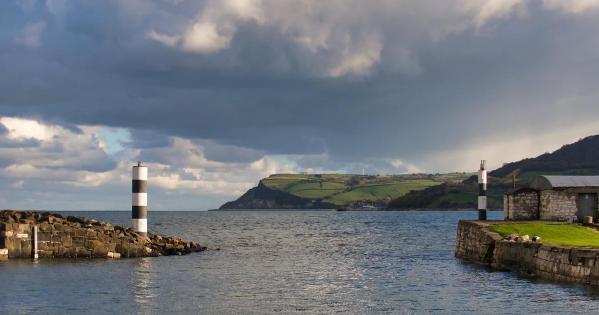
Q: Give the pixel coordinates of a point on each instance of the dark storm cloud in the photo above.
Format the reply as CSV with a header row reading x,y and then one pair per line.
x,y
94,64
17,143
143,138
226,153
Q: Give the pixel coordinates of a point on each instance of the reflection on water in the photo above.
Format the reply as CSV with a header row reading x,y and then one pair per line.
x,y
290,262
142,285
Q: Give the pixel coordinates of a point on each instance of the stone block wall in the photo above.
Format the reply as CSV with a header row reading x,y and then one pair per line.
x,y
16,237
63,238
474,243
557,205
76,237
521,205
548,262
536,259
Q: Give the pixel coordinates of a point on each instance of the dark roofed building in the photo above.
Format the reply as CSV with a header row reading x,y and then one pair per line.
x,y
546,182
558,198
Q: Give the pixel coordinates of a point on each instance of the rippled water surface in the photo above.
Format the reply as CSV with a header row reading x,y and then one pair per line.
x,y
289,262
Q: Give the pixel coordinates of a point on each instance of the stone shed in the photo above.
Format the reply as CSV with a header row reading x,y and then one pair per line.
x,y
556,198
521,204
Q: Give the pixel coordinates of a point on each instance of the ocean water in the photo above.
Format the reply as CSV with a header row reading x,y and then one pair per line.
x,y
306,262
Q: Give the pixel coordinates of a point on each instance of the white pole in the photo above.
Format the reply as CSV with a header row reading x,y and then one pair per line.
x,y
34,242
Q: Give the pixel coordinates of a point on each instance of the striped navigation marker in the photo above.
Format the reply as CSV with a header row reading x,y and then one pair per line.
x,y
482,191
139,199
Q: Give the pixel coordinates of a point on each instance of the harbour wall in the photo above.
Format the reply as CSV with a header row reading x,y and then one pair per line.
x,y
476,243
77,237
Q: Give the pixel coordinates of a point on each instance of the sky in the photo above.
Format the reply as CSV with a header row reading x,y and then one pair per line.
x,y
214,95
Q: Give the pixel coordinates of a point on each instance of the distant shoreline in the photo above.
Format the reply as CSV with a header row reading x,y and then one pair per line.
x,y
280,210
378,210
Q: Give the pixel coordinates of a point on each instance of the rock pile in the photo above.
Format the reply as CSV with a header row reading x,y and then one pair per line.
x,y
77,237
523,238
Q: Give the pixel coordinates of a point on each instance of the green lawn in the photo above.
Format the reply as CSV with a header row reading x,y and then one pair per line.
x,y
552,233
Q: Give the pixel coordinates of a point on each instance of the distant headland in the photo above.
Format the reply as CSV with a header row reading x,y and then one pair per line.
x,y
413,191
332,191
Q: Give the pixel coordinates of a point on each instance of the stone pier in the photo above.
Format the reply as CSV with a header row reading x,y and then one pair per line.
x,y
77,237
476,243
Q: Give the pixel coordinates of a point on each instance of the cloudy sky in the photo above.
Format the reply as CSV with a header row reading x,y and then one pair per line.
x,y
214,95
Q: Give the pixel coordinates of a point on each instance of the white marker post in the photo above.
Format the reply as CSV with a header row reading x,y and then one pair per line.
x,y
139,199
34,253
482,192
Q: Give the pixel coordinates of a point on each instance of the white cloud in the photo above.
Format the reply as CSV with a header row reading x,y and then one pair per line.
x,y
242,9
55,176
214,29
164,39
62,157
57,150
267,166
340,37
28,129
184,166
483,11
406,167
572,6
206,37
30,36
358,63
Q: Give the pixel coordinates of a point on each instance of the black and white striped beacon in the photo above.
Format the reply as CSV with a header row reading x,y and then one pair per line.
x,y
482,191
139,199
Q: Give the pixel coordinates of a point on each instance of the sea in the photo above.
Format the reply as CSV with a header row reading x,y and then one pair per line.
x,y
289,262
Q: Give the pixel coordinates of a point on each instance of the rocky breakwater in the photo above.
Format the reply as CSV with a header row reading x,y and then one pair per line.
x,y
476,243
77,237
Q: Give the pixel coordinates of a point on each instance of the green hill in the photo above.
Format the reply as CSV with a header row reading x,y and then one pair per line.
x,y
580,158
309,191
462,195
417,191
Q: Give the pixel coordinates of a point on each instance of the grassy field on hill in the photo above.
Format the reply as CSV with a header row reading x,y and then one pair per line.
x,y
342,189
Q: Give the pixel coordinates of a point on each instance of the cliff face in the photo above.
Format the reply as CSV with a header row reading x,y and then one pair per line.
x,y
76,237
262,197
